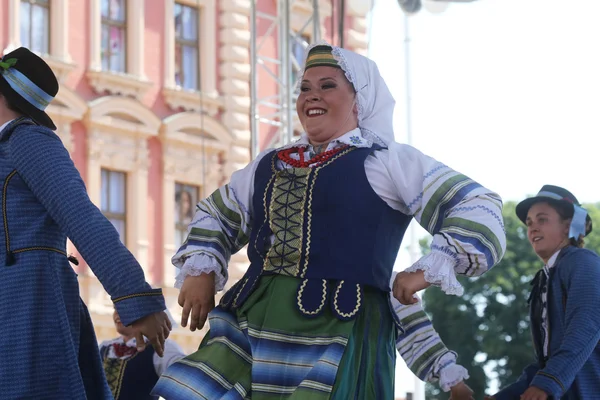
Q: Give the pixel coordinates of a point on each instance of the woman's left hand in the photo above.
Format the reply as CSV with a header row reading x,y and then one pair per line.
x,y
534,393
407,284
461,391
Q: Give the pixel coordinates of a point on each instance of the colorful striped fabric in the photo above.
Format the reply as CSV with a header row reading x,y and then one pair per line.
x,y
421,347
268,350
320,56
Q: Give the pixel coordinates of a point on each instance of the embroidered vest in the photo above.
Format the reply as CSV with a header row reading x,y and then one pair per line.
x,y
330,230
133,377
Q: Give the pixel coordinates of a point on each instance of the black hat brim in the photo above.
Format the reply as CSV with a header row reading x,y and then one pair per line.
x,y
524,206
24,106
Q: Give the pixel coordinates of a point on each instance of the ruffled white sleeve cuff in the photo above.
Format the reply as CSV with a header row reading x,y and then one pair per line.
x,y
201,263
450,372
438,268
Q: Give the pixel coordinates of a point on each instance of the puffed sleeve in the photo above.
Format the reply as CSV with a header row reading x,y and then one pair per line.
x,y
220,228
464,217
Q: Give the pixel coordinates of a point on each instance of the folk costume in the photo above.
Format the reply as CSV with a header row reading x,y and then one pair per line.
x,y
312,316
565,320
48,349
131,374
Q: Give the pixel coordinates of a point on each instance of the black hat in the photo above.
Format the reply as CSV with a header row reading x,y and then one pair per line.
x,y
557,197
29,84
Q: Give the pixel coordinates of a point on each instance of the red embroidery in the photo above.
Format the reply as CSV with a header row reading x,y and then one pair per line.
x,y
122,350
285,156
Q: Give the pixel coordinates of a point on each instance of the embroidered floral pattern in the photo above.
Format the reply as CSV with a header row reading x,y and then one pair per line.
x,y
355,140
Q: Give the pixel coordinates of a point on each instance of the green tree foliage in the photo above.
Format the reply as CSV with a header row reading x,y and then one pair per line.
x,y
489,324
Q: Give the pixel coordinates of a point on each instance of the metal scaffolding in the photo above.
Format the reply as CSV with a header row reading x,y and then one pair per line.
x,y
275,111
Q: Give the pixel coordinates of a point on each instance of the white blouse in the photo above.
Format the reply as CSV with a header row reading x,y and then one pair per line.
x,y
464,218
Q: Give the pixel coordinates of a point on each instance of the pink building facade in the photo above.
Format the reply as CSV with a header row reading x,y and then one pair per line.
x,y
154,108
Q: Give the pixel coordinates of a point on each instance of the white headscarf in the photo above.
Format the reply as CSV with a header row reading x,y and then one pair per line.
x,y
374,100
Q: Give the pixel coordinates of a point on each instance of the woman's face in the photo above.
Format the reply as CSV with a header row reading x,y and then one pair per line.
x,y
326,105
546,230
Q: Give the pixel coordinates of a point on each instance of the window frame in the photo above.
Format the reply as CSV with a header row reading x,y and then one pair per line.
x,y
122,25
109,214
47,6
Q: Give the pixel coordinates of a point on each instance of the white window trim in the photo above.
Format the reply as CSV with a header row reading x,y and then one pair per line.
x,y
133,81
118,133
183,153
59,58
192,100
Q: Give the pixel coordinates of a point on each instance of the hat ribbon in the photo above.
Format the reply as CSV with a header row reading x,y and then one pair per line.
x,y
25,87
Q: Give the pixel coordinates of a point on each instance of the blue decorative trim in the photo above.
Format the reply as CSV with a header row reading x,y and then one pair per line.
x,y
427,175
489,211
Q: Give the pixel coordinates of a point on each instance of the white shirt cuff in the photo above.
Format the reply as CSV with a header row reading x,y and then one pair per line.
x,y
198,264
451,375
438,269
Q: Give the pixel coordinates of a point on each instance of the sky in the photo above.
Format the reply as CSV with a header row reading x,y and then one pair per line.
x,y
505,91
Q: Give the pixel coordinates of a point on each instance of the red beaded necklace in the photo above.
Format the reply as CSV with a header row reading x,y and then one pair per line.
x,y
285,156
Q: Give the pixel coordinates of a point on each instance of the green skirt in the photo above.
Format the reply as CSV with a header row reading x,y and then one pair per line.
x,y
268,350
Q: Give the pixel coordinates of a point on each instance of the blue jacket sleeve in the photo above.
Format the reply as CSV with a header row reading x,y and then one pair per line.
x,y
579,272
515,390
44,164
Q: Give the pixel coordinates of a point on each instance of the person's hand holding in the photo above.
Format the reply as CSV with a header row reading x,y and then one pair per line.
x,y
534,393
156,327
461,391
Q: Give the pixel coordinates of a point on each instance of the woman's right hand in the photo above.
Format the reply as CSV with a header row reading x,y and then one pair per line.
x,y
197,295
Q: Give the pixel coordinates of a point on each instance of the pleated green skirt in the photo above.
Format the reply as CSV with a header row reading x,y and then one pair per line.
x,y
268,350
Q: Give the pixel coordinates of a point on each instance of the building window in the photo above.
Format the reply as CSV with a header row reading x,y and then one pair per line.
x,y
186,198
114,27
113,199
298,45
186,47
35,22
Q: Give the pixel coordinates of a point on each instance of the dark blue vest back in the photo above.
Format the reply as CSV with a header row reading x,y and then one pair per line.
x,y
329,226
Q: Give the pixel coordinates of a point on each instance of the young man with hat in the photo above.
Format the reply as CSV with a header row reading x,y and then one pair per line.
x,y
47,344
564,312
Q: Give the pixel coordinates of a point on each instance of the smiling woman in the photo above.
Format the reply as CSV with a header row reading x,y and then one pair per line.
x,y
324,218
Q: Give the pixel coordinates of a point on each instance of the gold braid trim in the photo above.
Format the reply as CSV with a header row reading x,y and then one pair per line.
x,y
158,292
323,298
358,301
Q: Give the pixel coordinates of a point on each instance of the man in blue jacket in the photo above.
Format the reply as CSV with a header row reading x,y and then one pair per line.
x,y
564,302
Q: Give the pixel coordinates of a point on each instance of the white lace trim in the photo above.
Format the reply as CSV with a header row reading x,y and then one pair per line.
x,y
451,375
198,264
438,269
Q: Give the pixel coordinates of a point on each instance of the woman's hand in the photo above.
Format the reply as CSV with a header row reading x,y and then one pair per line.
x,y
406,286
197,295
461,391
